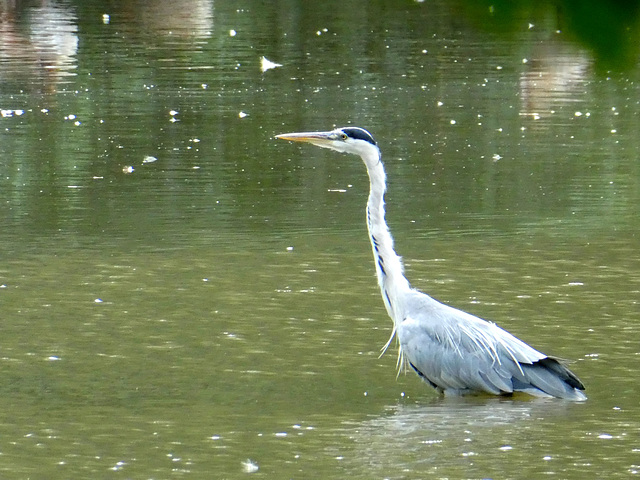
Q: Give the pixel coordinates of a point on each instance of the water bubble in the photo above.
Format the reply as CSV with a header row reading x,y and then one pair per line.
x,y
249,466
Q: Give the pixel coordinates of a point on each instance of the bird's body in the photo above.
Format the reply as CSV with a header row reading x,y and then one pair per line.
x,y
453,351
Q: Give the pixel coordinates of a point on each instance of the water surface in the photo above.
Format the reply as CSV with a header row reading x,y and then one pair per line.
x,y
183,296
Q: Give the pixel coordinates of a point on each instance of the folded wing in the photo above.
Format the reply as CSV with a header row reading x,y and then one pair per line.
x,y
457,352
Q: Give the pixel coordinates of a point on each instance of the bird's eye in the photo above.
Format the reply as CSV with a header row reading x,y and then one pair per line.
x,y
343,136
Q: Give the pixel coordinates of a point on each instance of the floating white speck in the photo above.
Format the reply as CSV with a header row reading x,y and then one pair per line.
x,y
281,434
605,436
496,157
128,169
106,18
452,122
242,115
531,25
266,64
232,33
249,466
173,113
70,117
506,448
149,159
53,358
289,249
98,300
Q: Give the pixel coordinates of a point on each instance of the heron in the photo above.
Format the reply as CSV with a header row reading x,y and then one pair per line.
x,y
454,351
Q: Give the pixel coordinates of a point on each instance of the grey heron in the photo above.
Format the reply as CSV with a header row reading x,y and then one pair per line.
x,y
453,351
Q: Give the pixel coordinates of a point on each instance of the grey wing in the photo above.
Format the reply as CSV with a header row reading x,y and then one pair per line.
x,y
456,351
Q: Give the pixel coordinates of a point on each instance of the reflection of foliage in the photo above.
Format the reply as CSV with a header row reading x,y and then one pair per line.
x,y
373,60
610,29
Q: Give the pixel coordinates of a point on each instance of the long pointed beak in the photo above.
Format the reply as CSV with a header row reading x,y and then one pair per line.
x,y
321,139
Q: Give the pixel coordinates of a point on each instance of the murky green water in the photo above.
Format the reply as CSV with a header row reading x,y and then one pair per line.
x,y
183,296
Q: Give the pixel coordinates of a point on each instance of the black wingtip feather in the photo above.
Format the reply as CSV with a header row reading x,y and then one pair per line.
x,y
562,371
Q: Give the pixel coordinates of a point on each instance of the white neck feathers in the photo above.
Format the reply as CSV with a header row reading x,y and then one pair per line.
x,y
389,269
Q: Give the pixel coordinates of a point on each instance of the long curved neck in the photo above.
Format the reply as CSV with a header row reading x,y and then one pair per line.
x,y
388,264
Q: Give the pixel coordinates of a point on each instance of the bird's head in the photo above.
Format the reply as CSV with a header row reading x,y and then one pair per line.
x,y
346,140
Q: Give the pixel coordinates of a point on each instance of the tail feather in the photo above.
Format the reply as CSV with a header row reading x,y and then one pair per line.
x,y
553,378
556,366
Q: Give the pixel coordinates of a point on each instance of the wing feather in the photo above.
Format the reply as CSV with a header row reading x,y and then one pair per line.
x,y
456,351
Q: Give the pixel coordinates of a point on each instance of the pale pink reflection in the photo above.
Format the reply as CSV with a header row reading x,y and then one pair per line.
x,y
554,76
40,41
